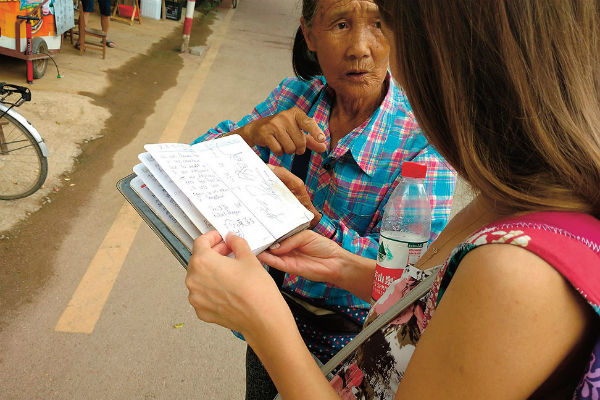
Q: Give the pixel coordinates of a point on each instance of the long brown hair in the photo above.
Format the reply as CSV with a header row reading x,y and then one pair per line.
x,y
509,93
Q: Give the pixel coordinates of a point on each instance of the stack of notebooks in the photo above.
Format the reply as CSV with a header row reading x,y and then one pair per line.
x,y
183,191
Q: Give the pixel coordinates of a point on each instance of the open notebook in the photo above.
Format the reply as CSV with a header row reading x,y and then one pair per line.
x,y
219,184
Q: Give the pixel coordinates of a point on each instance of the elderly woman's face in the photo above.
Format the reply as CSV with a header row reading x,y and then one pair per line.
x,y
350,45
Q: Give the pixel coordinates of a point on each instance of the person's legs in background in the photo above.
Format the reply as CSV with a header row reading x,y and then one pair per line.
x,y
105,20
88,7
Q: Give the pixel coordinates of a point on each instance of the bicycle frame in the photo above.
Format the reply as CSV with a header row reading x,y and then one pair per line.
x,y
38,138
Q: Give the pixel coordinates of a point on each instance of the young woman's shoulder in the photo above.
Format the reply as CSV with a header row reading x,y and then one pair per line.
x,y
506,322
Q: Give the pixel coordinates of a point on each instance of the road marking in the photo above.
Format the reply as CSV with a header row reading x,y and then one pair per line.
x,y
86,304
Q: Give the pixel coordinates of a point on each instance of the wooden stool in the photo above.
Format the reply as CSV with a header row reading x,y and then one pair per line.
x,y
136,12
82,31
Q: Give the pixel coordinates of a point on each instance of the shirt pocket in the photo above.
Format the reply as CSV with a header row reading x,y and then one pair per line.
x,y
351,206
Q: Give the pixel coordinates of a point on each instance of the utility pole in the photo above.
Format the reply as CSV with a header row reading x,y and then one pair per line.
x,y
187,25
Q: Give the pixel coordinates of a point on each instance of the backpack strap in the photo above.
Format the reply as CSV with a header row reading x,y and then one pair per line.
x,y
415,294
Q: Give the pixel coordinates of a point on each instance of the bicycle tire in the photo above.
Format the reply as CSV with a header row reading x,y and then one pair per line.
x,y
23,166
39,46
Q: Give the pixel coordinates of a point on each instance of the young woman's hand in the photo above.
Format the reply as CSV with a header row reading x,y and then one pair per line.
x,y
283,133
239,294
232,292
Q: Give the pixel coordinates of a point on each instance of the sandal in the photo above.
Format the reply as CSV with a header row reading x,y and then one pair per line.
x,y
77,46
110,43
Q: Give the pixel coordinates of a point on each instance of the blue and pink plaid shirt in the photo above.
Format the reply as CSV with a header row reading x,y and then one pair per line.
x,y
363,170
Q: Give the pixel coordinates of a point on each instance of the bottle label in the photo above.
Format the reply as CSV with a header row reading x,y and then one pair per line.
x,y
392,258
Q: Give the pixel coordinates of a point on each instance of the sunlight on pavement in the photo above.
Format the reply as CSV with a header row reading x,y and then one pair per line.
x,y
86,304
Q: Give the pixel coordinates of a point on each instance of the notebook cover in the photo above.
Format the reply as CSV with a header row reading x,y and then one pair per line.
x,y
168,238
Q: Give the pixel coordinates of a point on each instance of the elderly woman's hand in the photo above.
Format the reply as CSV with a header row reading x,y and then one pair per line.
x,y
236,293
284,133
307,254
320,259
297,187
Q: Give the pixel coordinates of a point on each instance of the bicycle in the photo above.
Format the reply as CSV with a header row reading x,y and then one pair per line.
x,y
23,153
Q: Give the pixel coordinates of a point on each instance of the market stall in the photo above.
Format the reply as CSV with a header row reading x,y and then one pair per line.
x,y
31,30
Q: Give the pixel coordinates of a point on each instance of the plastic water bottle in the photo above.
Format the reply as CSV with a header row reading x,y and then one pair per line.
x,y
405,228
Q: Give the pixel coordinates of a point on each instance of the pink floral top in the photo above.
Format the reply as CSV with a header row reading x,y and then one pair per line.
x,y
570,242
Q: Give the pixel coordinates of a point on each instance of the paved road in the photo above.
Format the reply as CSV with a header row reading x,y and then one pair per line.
x,y
103,324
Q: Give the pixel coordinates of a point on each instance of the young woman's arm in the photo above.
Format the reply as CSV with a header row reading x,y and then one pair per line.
x,y
239,294
280,348
505,323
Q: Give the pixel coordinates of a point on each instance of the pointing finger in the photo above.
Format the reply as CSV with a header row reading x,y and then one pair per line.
x,y
316,137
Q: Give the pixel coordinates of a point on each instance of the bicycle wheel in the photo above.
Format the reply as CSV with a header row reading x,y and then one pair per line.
x,y
23,167
39,46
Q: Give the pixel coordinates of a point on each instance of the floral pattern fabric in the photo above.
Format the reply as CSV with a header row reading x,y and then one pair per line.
x,y
570,242
376,368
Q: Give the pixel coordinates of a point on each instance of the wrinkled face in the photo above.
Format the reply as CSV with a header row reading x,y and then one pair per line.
x,y
350,45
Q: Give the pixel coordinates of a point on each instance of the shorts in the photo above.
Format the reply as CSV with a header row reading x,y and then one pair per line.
x,y
88,6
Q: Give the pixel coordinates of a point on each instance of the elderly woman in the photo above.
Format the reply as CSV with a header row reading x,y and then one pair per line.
x,y
344,107
508,91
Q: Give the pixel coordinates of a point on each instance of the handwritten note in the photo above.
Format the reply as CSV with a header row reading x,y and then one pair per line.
x,y
225,183
176,193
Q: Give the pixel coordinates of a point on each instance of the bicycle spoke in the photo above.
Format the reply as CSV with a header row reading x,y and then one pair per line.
x,y
23,167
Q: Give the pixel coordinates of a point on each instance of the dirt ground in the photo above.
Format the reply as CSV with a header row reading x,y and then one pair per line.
x,y
96,98
95,108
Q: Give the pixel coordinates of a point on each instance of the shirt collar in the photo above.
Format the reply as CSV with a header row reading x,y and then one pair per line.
x,y
366,142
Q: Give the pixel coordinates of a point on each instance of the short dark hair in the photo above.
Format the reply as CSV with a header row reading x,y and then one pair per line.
x,y
305,62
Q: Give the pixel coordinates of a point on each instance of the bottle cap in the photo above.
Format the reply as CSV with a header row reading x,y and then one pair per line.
x,y
411,169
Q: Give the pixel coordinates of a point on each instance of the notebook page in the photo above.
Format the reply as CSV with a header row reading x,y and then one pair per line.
x,y
161,212
208,194
222,203
176,193
163,196
251,180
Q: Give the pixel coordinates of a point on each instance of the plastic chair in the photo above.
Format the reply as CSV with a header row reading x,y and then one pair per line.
x,y
127,13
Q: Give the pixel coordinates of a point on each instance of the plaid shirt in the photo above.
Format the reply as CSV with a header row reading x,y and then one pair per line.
x,y
364,170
